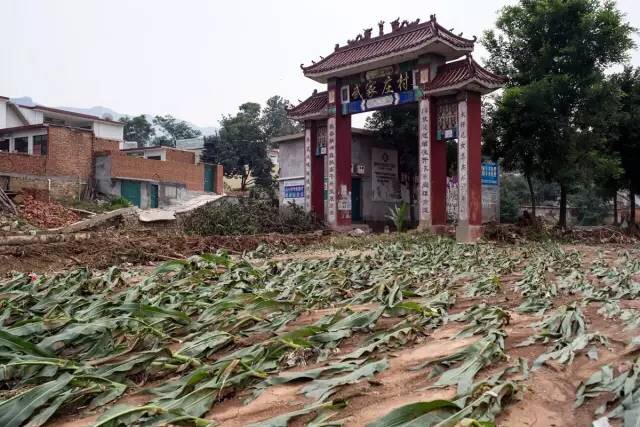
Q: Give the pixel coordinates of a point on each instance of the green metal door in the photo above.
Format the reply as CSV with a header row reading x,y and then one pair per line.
x,y
130,190
356,199
153,196
208,178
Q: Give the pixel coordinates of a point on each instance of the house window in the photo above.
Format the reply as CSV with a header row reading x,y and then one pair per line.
x,y
4,145
154,158
21,145
40,143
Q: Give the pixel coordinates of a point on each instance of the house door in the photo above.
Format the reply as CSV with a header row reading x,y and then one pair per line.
x,y
130,190
208,178
356,199
153,196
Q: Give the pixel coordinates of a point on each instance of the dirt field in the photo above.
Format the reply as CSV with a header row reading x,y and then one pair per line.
x,y
108,248
380,317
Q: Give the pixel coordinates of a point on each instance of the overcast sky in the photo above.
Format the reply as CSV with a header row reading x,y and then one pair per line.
x,y
197,59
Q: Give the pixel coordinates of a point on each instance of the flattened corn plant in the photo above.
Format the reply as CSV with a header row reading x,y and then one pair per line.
x,y
216,326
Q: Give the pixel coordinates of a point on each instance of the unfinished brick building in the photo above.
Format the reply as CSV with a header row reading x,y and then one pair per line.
x,y
67,153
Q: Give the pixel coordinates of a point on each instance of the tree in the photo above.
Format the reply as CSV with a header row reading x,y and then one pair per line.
x,y
626,142
274,118
173,130
240,146
555,53
137,129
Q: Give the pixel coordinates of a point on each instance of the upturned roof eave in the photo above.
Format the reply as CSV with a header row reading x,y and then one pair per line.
x,y
388,59
473,84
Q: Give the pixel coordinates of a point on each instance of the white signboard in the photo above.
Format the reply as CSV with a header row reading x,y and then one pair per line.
x,y
384,175
293,191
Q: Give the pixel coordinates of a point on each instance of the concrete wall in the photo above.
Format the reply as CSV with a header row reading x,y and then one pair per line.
x,y
3,113
291,164
108,131
12,120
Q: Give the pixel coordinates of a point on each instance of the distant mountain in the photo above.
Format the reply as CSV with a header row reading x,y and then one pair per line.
x,y
102,111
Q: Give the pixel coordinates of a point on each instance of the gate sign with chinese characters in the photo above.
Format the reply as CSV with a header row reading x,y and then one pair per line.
x,y
383,87
489,173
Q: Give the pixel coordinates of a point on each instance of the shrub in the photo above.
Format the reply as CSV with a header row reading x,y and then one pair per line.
x,y
248,216
398,215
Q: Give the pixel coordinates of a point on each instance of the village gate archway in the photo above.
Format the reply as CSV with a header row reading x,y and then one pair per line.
x,y
416,62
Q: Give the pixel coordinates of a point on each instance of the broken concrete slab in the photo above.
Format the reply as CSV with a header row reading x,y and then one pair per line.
x,y
153,215
168,213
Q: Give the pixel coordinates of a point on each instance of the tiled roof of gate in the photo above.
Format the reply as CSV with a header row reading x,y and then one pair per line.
x,y
464,70
406,37
453,75
315,104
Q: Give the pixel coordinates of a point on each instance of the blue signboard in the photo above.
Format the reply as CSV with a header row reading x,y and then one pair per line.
x,y
294,192
489,173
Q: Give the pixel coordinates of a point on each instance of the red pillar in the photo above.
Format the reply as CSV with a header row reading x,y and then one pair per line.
x,y
469,227
438,177
339,161
317,175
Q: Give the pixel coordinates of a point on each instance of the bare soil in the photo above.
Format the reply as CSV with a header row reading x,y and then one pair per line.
x,y
108,248
547,398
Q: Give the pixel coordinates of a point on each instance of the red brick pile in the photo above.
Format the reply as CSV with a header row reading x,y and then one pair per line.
x,y
44,214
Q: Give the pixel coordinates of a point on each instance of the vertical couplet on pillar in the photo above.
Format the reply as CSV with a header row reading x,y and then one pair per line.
x,y
339,161
469,227
308,130
424,159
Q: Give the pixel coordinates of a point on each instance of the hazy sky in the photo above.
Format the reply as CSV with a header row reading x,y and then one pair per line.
x,y
197,59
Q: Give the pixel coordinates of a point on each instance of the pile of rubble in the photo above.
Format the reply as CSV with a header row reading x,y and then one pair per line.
x,y
46,214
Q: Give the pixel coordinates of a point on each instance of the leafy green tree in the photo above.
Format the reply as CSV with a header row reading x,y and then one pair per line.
x,y
274,118
626,141
241,148
513,194
137,129
552,115
173,130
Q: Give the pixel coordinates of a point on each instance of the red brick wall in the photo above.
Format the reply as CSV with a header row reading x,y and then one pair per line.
x,y
180,156
219,185
22,163
100,144
70,152
192,175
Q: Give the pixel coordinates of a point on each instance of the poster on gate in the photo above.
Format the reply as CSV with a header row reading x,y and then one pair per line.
x,y
384,175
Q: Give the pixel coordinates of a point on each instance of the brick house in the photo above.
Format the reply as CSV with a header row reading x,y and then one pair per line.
x,y
155,176
64,152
